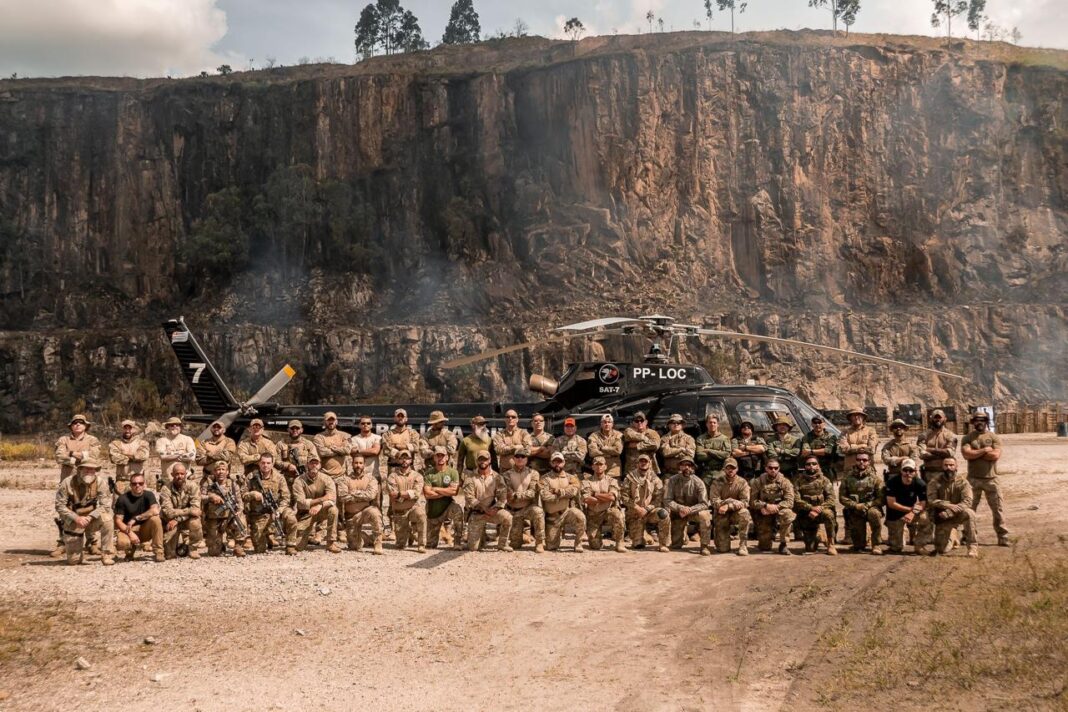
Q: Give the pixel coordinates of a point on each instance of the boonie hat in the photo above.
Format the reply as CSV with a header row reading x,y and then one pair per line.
x,y
173,420
79,418
436,416
898,423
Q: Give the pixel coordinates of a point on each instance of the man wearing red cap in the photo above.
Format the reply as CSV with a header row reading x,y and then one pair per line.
x,y
573,447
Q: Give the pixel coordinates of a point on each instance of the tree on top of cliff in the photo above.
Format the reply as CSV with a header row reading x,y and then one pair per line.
x,y
844,10
948,9
976,16
463,26
731,5
708,13
367,29
574,28
387,25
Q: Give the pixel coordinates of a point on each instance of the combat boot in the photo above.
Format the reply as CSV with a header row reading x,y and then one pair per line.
x,y
783,550
504,547
378,546
743,548
875,550
333,548
1003,541
107,560
239,551
539,548
579,548
973,551
919,549
421,549
194,554
159,557
59,552
620,546
291,551
705,551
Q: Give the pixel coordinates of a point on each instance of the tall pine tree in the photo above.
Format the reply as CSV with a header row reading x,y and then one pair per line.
x,y
463,27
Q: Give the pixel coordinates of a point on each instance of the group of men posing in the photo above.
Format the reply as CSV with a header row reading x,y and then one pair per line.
x,y
260,493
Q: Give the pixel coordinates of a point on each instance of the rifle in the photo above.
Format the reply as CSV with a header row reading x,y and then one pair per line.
x,y
270,504
229,503
294,457
111,486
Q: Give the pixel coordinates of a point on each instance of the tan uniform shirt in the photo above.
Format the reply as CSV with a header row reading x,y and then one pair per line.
x,y
178,504
171,451
305,490
559,492
228,486
895,452
358,493
248,452
506,444
410,484
730,491
942,491
68,446
522,487
642,491
635,443
212,450
75,499
333,449
304,449
394,441
765,490
944,439
275,484
482,493
685,491
854,441
541,462
610,447
675,446
574,451
981,469
129,456
443,437
594,486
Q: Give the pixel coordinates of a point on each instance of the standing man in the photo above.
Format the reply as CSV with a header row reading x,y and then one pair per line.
x,y
484,493
218,447
906,504
260,520
858,438
573,447
686,499
748,451
541,444
439,435
129,453
771,500
559,495
315,501
333,445
823,445
361,504
219,524
676,445
949,500
475,442
982,449
643,498
441,485
251,451
405,498
180,507
172,448
508,441
295,452
638,439
600,494
83,506
607,443
861,496
815,505
785,448
712,448
897,450
936,444
400,438
523,490
367,444
137,517
730,507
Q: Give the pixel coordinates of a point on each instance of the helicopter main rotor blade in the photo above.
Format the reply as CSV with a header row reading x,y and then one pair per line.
x,y
482,356
225,419
740,336
597,323
271,387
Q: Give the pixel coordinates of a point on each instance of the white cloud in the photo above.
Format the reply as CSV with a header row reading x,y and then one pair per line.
x,y
111,37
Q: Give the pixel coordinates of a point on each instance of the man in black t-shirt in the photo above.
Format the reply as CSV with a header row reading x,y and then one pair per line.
x,y
906,502
137,519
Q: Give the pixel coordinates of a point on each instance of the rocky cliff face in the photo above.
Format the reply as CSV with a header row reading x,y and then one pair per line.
x,y
893,196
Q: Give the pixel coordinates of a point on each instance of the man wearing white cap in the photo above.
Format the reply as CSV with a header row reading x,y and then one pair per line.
x,y
642,494
906,505
485,493
129,453
607,443
172,448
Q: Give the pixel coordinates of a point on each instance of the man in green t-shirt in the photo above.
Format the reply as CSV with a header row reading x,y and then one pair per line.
x,y
982,449
441,484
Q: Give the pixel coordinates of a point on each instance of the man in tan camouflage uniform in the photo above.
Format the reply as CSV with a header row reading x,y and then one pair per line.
x,y
607,443
475,442
172,448
642,494
507,442
438,435
295,450
70,451
676,445
541,444
814,503
129,453
219,447
260,521
559,497
862,495
361,505
485,492
250,450
401,438
824,445
712,448
771,503
600,494
406,503
686,499
573,447
856,439
218,523
315,502
982,449
332,446
638,439
949,501
83,505
522,502
441,487
936,443
180,507
730,507
896,450
784,447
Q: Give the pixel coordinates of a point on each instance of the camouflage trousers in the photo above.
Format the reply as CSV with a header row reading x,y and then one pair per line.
x,y
595,522
193,530
859,523
965,519
150,530
454,515
990,488
409,524
810,526
217,531
261,525
325,517
679,525
636,527
74,540
723,523
356,521
768,524
919,532
533,514
571,518
476,528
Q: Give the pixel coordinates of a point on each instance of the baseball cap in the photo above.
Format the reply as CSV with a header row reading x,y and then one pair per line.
x,y
296,424
898,423
330,415
817,419
909,463
645,456
557,456
599,460
441,450
569,421
400,411
730,462
482,455
256,421
938,413
676,418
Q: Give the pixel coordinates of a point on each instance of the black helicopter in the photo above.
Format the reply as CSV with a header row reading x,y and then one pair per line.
x,y
585,391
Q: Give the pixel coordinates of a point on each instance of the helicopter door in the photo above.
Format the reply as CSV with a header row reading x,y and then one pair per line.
x,y
718,409
763,414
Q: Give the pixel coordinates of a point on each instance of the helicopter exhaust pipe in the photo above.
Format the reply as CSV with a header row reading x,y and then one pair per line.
x,y
543,385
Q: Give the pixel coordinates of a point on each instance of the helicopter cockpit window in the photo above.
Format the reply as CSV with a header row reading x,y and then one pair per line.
x,y
764,414
717,409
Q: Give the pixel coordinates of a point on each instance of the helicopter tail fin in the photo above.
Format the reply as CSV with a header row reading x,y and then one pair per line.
x,y
211,393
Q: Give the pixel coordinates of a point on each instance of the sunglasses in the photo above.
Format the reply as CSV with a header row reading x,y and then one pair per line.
x,y
137,484
908,469
769,467
865,460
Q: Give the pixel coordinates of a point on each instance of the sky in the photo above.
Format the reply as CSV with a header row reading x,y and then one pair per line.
x,y
146,38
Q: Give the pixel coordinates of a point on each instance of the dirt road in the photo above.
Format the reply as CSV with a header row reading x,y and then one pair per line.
x,y
448,630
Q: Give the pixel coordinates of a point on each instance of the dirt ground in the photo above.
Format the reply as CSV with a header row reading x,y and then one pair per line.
x,y
446,630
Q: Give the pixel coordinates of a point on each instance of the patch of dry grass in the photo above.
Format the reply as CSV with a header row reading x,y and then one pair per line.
x,y
22,451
